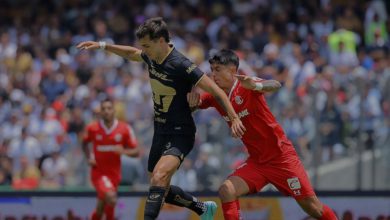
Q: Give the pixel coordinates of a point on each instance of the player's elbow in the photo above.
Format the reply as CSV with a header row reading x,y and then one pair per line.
x,y
136,152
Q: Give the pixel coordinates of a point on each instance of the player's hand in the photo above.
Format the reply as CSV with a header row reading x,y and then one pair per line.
x,y
238,129
246,81
193,99
91,162
88,45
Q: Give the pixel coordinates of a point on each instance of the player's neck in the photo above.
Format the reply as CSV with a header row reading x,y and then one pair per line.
x,y
164,53
229,87
109,123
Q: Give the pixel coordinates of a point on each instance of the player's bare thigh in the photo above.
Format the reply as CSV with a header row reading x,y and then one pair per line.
x,y
232,188
164,170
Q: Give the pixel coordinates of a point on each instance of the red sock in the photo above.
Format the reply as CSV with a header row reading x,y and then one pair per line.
x,y
231,210
109,210
328,213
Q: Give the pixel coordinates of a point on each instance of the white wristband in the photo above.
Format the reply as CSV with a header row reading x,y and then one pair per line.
x,y
102,45
258,86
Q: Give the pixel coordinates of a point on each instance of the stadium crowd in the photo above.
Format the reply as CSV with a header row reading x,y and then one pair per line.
x,y
332,58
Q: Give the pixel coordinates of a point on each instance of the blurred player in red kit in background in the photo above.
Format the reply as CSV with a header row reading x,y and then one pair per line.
x,y
272,157
111,139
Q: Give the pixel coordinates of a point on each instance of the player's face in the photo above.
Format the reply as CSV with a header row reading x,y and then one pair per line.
x,y
222,75
107,111
152,48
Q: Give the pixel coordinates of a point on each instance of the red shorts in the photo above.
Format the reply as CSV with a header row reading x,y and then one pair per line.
x,y
104,184
286,173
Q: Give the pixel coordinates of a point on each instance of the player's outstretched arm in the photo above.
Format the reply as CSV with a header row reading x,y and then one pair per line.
x,y
263,86
126,52
209,86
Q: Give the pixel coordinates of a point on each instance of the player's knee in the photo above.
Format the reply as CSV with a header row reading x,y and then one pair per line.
x,y
111,198
226,192
159,178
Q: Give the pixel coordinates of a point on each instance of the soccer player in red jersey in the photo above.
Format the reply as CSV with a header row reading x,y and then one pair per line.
x,y
272,157
111,139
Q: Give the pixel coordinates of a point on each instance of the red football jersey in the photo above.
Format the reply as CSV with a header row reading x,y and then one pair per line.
x,y
105,140
264,137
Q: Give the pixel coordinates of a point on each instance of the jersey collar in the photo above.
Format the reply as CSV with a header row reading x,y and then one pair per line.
x,y
233,87
108,130
170,51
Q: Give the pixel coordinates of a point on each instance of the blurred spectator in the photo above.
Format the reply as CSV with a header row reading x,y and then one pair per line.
x,y
349,21
205,172
27,177
330,129
54,169
186,177
343,58
376,33
5,170
25,147
273,68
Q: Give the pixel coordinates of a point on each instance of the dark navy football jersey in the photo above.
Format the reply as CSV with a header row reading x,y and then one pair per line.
x,y
171,81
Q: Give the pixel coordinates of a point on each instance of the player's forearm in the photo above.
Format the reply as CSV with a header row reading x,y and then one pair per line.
x,y
133,152
86,150
127,52
223,101
209,86
268,86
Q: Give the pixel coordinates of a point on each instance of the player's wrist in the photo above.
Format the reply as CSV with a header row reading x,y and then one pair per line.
x,y
234,118
102,45
258,86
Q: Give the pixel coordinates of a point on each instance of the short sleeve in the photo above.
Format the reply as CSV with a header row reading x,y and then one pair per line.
x,y
194,74
207,101
130,140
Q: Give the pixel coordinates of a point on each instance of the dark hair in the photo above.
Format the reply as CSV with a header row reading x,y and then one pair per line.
x,y
224,57
107,99
154,28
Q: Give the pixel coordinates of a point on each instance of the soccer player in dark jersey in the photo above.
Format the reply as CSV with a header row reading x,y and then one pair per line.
x,y
272,157
110,138
172,76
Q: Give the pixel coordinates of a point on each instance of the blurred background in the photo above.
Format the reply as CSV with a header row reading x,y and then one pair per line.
x,y
332,57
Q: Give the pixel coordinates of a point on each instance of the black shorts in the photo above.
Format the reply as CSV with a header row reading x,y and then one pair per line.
x,y
170,144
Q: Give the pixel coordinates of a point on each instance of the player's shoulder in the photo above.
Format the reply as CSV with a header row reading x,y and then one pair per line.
x,y
178,59
123,125
239,90
93,125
